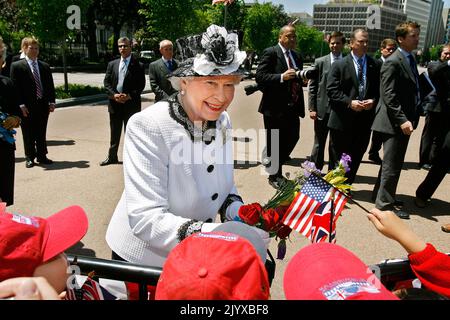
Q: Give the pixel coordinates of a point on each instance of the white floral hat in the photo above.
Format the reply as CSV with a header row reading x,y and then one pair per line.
x,y
213,53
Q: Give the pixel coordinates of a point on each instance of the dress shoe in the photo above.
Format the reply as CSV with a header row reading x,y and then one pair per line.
x,y
108,161
446,228
45,161
401,214
29,163
399,203
277,182
375,158
421,203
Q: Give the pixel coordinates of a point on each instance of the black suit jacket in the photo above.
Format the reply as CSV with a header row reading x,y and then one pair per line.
x,y
23,79
398,92
277,96
439,72
133,84
342,88
161,86
8,97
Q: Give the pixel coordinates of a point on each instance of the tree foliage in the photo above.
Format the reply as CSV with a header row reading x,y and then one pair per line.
x,y
262,25
310,42
48,18
115,14
168,19
235,14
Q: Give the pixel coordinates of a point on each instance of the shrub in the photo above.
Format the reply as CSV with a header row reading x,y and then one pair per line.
x,y
77,90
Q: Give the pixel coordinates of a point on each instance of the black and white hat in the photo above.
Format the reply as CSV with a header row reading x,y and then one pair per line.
x,y
212,53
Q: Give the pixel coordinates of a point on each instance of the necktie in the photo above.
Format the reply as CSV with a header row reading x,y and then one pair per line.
x,y
170,65
122,72
294,84
37,81
413,65
361,79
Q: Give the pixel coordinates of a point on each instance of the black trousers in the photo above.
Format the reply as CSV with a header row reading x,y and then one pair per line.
x,y
34,131
117,120
433,136
441,165
7,166
282,134
352,143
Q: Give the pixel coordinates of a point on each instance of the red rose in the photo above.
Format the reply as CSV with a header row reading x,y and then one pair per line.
x,y
250,213
284,231
270,219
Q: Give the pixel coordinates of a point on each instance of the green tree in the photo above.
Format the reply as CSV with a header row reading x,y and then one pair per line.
x,y
262,24
310,42
116,13
168,19
233,14
48,21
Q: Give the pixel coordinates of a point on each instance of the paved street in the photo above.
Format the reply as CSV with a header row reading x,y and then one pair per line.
x,y
78,139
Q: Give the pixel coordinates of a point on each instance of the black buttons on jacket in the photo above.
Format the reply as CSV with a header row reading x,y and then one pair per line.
x,y
210,168
215,196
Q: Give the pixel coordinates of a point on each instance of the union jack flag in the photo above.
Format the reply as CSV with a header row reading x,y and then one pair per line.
x,y
321,222
300,214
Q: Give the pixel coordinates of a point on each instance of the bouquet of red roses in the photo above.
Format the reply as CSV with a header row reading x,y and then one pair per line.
x,y
269,218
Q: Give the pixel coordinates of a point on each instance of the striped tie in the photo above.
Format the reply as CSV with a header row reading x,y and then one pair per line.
x,y
37,81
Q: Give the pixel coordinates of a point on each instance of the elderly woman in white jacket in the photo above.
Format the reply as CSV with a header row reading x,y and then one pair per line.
x,y
178,159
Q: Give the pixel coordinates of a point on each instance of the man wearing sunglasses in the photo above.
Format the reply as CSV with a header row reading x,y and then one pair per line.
x,y
124,83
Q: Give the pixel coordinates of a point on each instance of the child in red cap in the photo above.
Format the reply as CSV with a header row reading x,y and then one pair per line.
x,y
34,246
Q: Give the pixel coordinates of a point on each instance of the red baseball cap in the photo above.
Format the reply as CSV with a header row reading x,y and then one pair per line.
x,y
325,271
213,266
27,242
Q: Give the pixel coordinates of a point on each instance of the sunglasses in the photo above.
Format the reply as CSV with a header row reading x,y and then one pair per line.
x,y
123,46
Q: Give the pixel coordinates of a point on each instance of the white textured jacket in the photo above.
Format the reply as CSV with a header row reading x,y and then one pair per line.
x,y
169,179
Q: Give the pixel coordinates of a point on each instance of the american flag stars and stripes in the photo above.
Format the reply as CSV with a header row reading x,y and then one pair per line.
x,y
312,194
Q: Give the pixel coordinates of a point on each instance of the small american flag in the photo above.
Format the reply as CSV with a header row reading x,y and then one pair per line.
x,y
300,214
321,222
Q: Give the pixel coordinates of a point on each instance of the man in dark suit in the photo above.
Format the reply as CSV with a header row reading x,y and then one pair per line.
x,y
124,83
10,119
387,48
397,114
319,107
437,119
282,102
34,82
353,89
159,69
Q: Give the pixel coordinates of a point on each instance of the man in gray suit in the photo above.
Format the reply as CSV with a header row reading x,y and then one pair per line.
x,y
159,69
319,108
397,114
